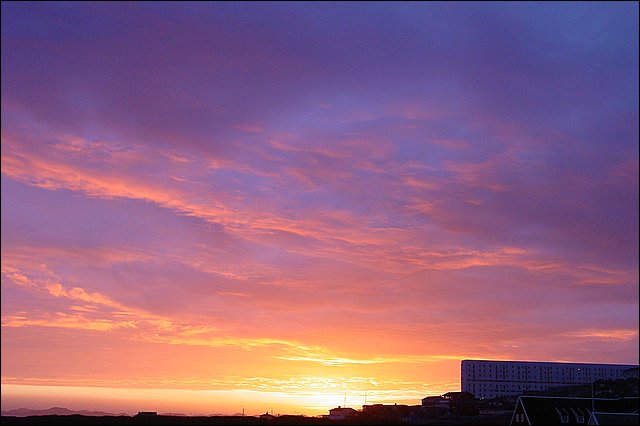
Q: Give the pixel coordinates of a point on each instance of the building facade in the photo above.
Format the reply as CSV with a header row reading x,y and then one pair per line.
x,y
491,379
342,413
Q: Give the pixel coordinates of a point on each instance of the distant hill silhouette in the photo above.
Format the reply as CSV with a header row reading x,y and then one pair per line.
x,y
55,411
158,420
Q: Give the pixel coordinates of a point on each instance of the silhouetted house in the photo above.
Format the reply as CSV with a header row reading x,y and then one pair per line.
x,y
435,406
621,419
146,414
267,416
546,410
497,406
451,403
342,413
458,396
491,379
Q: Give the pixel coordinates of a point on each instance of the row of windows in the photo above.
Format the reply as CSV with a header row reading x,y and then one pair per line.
x,y
506,387
508,366
545,370
496,386
565,373
540,376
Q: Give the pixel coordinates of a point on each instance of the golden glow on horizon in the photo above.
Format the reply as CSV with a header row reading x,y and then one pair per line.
x,y
320,396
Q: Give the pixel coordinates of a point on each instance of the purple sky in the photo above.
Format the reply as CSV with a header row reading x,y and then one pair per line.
x,y
289,188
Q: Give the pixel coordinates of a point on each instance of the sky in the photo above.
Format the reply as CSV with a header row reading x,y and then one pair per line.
x,y
285,207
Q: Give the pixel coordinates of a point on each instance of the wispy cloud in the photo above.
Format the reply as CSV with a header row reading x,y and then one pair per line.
x,y
620,334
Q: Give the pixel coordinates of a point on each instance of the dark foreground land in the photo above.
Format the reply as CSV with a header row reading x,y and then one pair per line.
x,y
235,420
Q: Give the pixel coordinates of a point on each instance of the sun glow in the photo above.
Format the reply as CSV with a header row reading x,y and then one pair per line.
x,y
194,402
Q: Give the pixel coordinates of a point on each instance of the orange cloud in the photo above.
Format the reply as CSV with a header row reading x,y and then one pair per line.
x,y
61,320
604,334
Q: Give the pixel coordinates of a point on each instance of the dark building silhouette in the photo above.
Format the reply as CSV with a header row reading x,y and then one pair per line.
x,y
551,410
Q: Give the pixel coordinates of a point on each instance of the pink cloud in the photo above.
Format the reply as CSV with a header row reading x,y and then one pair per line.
x,y
280,192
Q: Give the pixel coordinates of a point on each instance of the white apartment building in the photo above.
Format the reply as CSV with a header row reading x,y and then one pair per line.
x,y
490,379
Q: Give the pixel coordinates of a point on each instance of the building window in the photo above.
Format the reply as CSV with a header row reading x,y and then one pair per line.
x,y
564,418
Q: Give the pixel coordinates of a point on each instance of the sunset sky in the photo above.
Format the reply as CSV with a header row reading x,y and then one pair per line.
x,y
288,206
